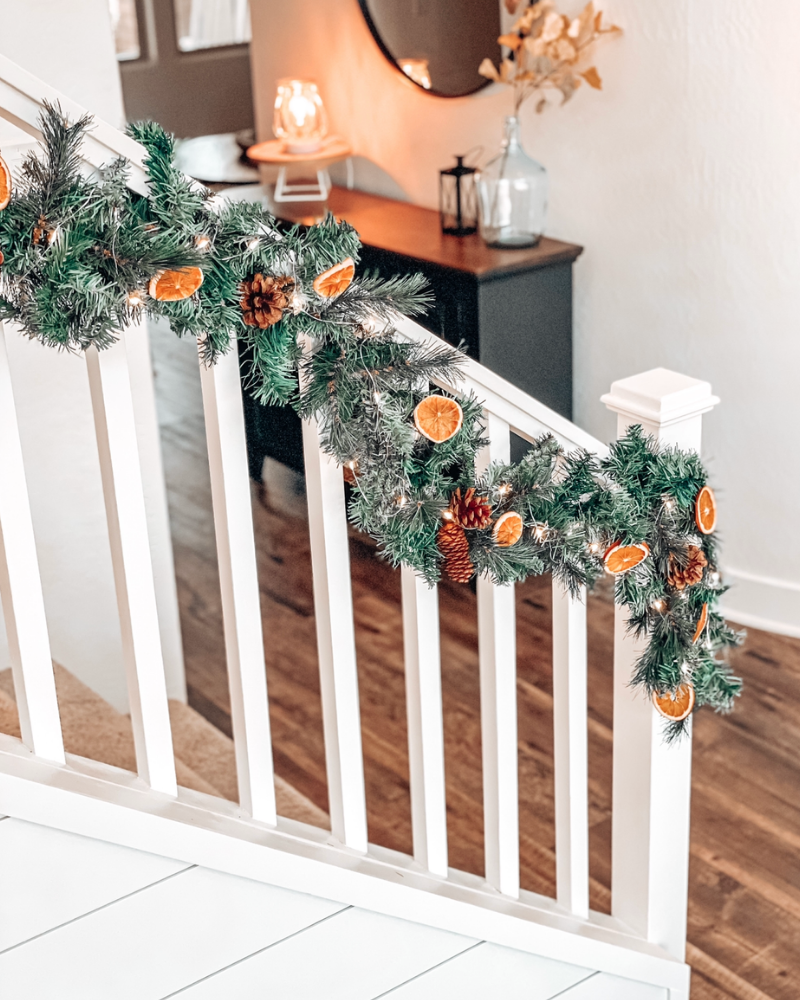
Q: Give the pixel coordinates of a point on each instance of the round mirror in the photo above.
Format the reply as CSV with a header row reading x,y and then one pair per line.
x,y
438,44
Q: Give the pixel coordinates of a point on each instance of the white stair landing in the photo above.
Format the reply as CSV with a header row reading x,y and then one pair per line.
x,y
85,920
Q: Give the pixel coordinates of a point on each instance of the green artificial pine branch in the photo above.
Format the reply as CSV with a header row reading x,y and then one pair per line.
x,y
79,258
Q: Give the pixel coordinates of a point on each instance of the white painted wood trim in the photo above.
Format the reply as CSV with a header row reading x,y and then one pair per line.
x,y
140,366
425,721
336,644
772,604
238,574
21,588
123,491
651,781
21,98
99,801
497,653
570,750
526,416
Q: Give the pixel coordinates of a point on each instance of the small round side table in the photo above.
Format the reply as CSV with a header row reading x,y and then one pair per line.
x,y
332,150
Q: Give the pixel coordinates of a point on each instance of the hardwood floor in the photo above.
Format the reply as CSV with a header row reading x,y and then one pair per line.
x,y
744,911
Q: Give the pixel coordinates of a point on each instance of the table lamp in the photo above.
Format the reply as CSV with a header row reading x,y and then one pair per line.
x,y
299,118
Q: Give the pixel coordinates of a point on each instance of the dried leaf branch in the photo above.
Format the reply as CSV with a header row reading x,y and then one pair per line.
x,y
548,50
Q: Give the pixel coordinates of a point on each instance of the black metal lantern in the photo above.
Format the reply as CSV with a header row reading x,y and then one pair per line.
x,y
458,199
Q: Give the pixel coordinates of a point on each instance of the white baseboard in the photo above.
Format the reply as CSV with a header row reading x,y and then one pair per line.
x,y
762,602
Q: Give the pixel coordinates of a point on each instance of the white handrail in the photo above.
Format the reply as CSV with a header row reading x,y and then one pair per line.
x,y
525,415
21,98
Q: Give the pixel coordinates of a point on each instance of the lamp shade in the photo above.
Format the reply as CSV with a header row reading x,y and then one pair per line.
x,y
299,117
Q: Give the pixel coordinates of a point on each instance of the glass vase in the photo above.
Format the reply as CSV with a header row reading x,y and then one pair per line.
x,y
512,195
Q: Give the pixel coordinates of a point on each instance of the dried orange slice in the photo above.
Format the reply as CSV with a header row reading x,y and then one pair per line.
x,y
172,286
620,558
677,705
702,621
5,184
438,418
507,529
336,279
705,510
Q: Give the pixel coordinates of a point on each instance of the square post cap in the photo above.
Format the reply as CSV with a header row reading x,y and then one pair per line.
x,y
660,397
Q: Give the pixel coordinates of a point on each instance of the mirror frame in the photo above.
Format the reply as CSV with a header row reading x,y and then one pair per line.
x,y
363,4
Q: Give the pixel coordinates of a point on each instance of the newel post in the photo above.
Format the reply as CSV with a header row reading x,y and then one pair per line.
x,y
652,781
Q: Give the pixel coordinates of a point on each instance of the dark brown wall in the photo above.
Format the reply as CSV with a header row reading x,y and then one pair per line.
x,y
189,93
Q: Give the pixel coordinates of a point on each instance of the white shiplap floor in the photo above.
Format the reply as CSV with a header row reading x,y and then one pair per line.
x,y
84,920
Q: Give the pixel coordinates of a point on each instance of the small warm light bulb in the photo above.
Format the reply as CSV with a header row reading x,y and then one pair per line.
x,y
504,489
447,515
377,397
539,532
669,504
201,242
254,243
298,303
134,300
659,605
299,117
594,546
400,500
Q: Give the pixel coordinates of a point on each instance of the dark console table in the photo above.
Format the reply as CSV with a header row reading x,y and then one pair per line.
x,y
512,309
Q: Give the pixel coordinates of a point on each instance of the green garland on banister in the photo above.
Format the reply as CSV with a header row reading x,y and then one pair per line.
x,y
81,258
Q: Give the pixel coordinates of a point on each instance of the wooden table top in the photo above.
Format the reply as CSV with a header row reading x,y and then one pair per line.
x,y
333,148
415,232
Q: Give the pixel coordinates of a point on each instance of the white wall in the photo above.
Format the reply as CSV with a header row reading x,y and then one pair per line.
x,y
68,43
680,179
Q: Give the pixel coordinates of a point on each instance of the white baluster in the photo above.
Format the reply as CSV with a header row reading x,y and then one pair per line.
x,y
652,781
333,610
425,721
570,750
21,589
123,492
497,650
238,574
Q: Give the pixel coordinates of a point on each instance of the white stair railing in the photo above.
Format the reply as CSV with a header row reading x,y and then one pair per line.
x,y
123,492
497,656
241,607
651,780
21,588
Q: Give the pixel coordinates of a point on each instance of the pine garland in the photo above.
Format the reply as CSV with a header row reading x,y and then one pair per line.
x,y
79,258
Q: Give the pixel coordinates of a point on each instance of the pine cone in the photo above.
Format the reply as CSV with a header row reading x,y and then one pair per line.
x,y
470,511
263,299
351,471
681,577
41,231
453,545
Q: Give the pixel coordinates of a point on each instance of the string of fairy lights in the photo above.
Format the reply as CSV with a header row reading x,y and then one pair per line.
x,y
82,258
